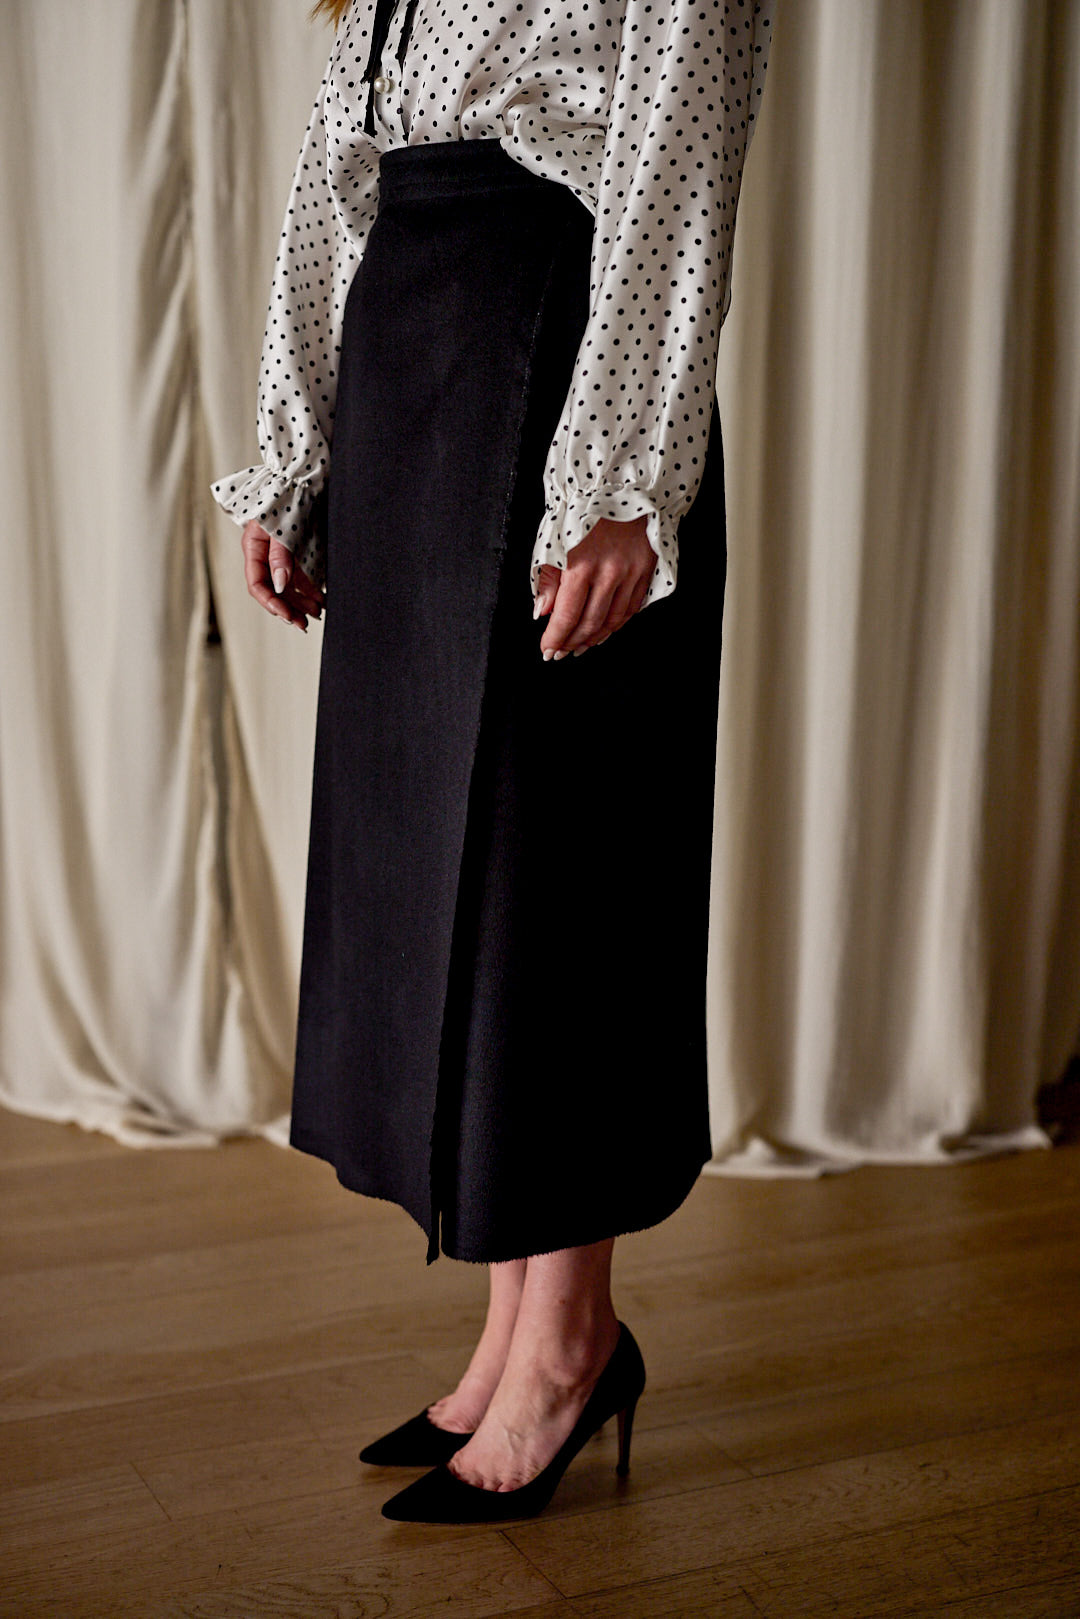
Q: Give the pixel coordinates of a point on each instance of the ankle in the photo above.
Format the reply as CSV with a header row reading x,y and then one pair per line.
x,y
573,1355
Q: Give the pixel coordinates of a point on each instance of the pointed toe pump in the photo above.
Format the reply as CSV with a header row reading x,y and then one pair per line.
x,y
416,1443
440,1497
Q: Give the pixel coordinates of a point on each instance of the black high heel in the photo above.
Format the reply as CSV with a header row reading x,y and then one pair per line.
x,y
440,1497
416,1443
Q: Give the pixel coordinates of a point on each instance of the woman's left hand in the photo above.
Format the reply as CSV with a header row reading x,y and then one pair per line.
x,y
601,588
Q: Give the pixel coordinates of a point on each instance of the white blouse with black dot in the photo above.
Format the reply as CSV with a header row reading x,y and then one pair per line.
x,y
644,108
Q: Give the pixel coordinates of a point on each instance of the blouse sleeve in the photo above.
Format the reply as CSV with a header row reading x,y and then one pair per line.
x,y
631,441
322,240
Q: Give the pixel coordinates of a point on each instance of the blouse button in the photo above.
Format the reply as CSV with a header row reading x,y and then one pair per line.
x,y
383,84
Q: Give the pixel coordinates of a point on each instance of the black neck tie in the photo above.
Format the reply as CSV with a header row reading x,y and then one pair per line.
x,y
384,12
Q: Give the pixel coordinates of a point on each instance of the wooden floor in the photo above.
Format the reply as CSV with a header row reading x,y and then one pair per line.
x,y
864,1398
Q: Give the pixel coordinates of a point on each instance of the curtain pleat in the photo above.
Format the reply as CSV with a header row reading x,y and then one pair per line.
x,y
115,994
895,881
255,66
895,950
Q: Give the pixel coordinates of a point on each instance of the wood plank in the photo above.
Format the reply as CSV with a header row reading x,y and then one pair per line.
x,y
124,1320
702,1384
190,1483
650,1540
549,1610
932,1292
190,1572
143,1304
801,1260
27,1142
156,1201
95,1503
955,1567
967,1556
728,1215
1057,1600
43,1449
265,1519
862,1397
109,1367
769,1438
453,1583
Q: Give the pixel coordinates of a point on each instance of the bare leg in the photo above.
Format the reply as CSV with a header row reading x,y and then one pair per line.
x,y
564,1334
461,1411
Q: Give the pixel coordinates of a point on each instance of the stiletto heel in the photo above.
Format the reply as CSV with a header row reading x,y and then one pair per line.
x,y
441,1497
626,1427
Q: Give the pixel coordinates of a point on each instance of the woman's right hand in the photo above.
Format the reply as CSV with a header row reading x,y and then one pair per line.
x,y
269,564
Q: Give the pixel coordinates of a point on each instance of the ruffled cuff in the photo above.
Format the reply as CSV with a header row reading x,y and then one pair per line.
x,y
287,510
571,519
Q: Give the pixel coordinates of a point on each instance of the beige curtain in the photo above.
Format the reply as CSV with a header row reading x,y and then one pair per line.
x,y
153,810
895,962
896,939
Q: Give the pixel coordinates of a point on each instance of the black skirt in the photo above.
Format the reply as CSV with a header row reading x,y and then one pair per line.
x,y
502,996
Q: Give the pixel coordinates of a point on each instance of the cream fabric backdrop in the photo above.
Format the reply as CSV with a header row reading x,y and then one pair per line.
x,y
896,939
896,944
154,790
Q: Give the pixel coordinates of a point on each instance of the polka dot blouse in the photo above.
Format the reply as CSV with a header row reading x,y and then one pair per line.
x,y
644,108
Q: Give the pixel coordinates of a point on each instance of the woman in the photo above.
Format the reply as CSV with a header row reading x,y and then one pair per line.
x,y
502,275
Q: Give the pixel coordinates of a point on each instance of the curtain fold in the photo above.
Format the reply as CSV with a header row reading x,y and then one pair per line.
x,y
895,882
116,1002
254,68
149,898
895,950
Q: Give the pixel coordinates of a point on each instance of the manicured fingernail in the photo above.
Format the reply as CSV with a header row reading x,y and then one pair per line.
x,y
579,650
547,656
560,654
537,604
281,579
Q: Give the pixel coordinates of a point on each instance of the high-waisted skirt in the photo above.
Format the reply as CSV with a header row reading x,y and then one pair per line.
x,y
502,996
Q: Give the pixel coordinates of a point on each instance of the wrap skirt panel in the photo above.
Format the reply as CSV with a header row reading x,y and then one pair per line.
x,y
502,996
